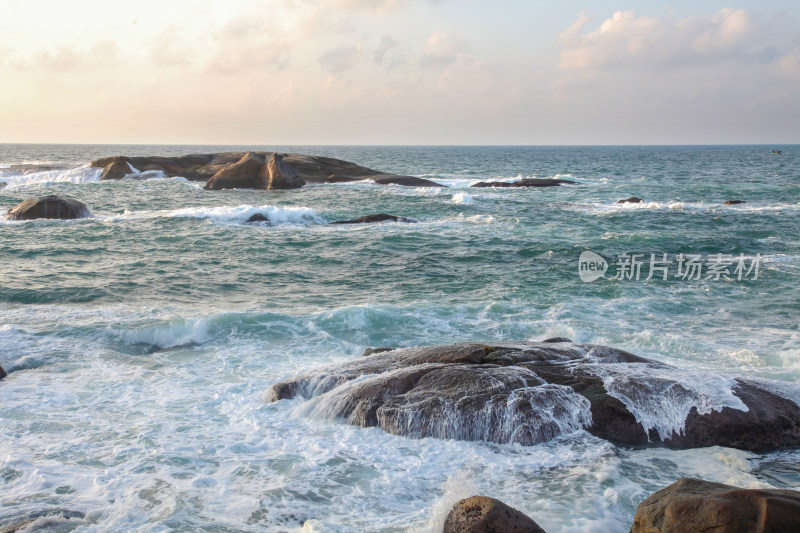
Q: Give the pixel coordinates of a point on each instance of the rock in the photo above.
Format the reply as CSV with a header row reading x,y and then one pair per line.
x,y
557,339
247,173
528,182
531,392
3,373
258,218
407,181
481,514
692,505
735,202
55,520
336,178
631,200
282,175
380,217
371,351
48,207
116,169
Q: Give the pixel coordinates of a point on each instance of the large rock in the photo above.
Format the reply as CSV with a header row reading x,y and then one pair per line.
x,y
631,200
48,207
531,392
693,505
481,514
117,169
249,172
380,217
282,175
406,181
528,182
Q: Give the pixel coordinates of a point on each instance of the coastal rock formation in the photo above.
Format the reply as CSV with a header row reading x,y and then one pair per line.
x,y
258,218
48,207
528,182
117,169
380,217
531,392
631,200
202,167
692,505
481,514
249,172
282,175
734,202
380,349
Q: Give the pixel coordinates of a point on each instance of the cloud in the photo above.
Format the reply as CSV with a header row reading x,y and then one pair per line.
x,y
372,5
388,54
340,59
442,51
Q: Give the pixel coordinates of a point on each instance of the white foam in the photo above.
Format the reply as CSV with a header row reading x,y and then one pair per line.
x,y
232,214
78,175
462,198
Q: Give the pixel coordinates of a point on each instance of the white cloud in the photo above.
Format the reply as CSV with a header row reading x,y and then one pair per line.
x,y
340,59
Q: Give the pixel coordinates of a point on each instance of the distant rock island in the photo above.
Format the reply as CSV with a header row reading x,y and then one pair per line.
x,y
252,170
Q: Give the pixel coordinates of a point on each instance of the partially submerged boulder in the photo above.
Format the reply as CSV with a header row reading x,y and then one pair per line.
x,y
282,175
528,182
631,200
531,392
258,218
481,514
735,202
379,217
3,373
247,173
692,505
406,181
48,207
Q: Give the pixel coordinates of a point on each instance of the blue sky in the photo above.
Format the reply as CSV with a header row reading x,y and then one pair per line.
x,y
399,72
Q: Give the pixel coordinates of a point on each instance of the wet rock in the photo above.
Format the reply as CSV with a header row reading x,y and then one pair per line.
x,y
631,200
735,202
407,181
529,182
336,178
282,175
52,520
2,373
481,514
116,169
557,339
692,505
249,172
258,218
380,217
531,392
381,349
48,207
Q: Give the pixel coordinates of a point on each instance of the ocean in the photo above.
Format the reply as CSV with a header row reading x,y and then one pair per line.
x,y
139,342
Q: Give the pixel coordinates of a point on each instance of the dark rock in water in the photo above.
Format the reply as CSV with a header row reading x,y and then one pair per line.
x,y
381,349
3,184
336,178
531,392
116,169
692,505
735,202
2,373
557,339
631,200
381,217
282,175
481,514
48,207
56,520
407,181
249,172
257,219
529,182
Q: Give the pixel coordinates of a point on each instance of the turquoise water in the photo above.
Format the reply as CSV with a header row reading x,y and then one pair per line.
x,y
139,342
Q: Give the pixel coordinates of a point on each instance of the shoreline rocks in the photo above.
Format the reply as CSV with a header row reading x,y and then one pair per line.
x,y
528,182
51,207
532,392
482,514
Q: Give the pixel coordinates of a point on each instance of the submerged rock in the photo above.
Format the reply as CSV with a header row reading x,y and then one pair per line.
x,y
735,202
380,217
481,514
407,181
258,218
692,505
531,392
528,182
631,200
282,175
48,207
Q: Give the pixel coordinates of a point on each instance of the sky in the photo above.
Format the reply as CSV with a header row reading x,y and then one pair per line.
x,y
404,72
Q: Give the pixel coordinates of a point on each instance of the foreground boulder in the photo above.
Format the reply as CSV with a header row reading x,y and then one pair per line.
x,y
692,505
48,207
528,182
481,514
531,392
380,217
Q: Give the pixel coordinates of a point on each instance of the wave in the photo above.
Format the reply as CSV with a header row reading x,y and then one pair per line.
x,y
232,214
677,205
462,198
78,175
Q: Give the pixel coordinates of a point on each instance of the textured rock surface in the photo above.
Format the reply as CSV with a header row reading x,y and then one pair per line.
x,y
481,514
380,217
530,182
693,505
282,175
248,173
532,392
48,207
117,169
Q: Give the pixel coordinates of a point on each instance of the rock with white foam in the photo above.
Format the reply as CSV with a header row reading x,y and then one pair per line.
x,y
531,392
53,207
482,514
3,373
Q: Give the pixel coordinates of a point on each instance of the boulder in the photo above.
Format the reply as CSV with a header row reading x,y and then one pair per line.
x,y
282,175
380,217
247,173
481,514
48,207
692,505
528,182
557,339
2,373
371,351
258,218
406,181
734,202
116,169
631,200
531,392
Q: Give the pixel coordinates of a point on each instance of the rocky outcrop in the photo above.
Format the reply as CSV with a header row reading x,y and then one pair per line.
x,y
692,505
249,172
735,202
481,514
528,393
117,169
631,200
48,207
528,182
258,218
282,175
380,217
309,168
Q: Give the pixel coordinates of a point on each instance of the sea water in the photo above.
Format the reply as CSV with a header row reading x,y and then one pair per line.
x,y
139,342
